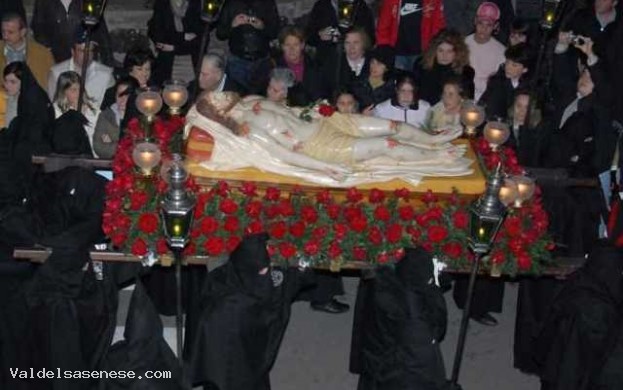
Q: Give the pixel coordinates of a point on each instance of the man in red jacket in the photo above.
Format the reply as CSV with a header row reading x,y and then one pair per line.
x,y
408,26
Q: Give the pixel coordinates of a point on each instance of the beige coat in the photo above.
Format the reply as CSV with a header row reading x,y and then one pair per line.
x,y
38,58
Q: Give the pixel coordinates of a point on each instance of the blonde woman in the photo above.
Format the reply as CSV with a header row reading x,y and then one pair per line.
x,y
66,98
447,112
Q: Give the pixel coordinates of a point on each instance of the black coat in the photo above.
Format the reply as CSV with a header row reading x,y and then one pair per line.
x,y
367,96
161,26
400,318
56,28
499,95
335,68
532,145
324,15
583,324
307,91
69,136
243,320
246,41
431,81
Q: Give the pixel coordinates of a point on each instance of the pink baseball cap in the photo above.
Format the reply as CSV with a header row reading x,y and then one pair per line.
x,y
488,11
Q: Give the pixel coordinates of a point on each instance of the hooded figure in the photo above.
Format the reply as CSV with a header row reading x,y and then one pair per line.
x,y
63,317
246,309
400,318
143,349
583,324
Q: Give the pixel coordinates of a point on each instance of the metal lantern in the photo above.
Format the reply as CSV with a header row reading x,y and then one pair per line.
x,y
92,11
486,215
149,102
175,95
346,11
176,209
472,116
210,10
550,13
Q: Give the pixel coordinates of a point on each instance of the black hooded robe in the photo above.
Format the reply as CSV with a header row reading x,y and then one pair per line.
x,y
244,317
400,318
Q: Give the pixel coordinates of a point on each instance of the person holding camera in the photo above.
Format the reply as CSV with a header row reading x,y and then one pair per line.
x,y
249,25
322,29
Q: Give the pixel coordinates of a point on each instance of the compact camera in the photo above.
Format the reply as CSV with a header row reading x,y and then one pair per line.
x,y
577,40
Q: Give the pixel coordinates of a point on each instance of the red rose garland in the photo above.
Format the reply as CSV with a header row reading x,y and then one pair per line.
x,y
374,228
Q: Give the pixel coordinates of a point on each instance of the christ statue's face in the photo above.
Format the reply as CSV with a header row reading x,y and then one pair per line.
x,y
221,101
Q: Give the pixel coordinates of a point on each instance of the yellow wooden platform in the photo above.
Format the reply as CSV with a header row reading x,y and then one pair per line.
x,y
468,186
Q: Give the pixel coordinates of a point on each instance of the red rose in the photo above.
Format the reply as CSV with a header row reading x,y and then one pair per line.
x,y
311,248
353,195
427,246
323,197
516,245
297,229
434,214
333,211
137,200
414,233
382,213
512,226
191,249
492,161
254,227
148,223
406,213
222,188
309,214
272,194
452,249
208,226
376,196
524,261
360,253
394,233
228,206
278,230
195,233
340,230
498,257
232,243
214,246
272,211
482,146
123,221
402,193
326,110
139,248
319,233
253,209
287,249
334,250
162,186
285,208
249,189
231,224
118,239
383,258
550,246
437,233
460,219
359,224
161,246
422,219
191,185
352,212
399,253
429,197
375,236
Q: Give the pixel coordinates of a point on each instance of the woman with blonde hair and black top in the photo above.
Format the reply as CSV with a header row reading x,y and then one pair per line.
x,y
447,57
66,99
